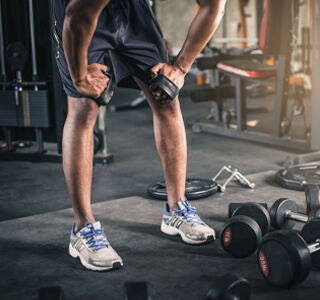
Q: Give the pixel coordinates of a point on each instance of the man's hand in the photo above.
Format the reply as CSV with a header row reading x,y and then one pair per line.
x,y
94,81
173,73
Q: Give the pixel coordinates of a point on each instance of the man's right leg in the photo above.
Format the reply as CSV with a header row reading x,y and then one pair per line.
x,y
87,239
77,149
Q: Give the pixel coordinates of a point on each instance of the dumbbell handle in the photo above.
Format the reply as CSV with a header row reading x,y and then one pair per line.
x,y
314,246
296,216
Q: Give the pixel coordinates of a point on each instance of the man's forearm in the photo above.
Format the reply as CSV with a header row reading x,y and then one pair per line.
x,y
78,29
200,31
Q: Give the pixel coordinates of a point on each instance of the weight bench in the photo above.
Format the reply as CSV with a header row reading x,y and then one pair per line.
x,y
274,41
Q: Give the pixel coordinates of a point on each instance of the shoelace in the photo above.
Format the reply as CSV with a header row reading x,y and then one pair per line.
x,y
95,238
190,214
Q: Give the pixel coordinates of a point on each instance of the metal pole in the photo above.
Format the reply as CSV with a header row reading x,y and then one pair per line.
x,y
33,45
3,67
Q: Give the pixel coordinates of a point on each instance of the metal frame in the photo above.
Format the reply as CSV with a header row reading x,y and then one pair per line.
x,y
282,85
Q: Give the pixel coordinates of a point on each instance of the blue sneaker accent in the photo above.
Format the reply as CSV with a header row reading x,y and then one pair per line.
x,y
189,212
95,238
166,210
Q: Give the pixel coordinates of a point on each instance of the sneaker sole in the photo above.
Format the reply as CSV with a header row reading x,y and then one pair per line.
x,y
169,230
75,254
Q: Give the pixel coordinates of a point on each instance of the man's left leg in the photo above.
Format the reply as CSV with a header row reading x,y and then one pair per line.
x,y
170,137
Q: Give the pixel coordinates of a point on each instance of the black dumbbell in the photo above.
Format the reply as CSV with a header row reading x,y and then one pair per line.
x,y
284,257
284,214
240,236
235,205
50,293
139,290
230,287
312,194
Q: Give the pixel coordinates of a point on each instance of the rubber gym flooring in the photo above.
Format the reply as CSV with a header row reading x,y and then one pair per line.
x,y
36,216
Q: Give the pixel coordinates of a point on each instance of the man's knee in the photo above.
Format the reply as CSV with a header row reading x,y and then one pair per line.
x,y
170,110
83,111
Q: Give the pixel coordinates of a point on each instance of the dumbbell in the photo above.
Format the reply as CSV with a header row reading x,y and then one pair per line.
x,y
235,205
230,287
139,290
284,214
240,236
312,194
50,293
285,258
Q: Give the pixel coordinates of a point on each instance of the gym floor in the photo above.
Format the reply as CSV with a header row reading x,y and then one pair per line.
x,y
36,216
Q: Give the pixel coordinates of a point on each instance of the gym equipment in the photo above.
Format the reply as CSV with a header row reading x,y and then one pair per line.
x,y
235,205
241,234
312,193
197,188
105,97
284,214
230,287
165,84
137,290
284,257
50,293
296,177
310,234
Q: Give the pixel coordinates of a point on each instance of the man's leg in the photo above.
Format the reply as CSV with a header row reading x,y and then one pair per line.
x,y
77,149
170,138
179,216
87,239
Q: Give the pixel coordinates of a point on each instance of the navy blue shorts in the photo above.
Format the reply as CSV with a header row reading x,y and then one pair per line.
x,y
127,29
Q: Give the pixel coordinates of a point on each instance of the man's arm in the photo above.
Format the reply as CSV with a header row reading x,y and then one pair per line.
x,y
201,29
79,25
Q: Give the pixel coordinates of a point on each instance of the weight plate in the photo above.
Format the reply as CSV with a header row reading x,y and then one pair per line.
x,y
283,258
312,197
17,55
256,212
137,290
310,233
295,178
278,211
196,188
230,286
240,236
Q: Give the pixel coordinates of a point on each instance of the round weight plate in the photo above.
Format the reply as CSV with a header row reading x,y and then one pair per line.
x,y
278,211
240,236
257,212
312,197
136,290
196,188
50,293
230,286
310,233
295,178
283,258
17,55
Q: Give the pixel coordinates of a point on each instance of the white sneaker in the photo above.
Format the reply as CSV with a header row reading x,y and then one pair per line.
x,y
92,247
187,223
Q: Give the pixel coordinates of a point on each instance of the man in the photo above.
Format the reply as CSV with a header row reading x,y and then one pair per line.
x,y
83,31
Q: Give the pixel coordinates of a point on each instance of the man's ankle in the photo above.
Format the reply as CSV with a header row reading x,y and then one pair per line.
x,y
173,206
79,224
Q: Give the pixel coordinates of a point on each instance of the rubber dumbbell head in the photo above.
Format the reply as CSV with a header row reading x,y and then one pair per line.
x,y
137,290
284,258
241,234
284,214
50,293
312,194
230,286
235,205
